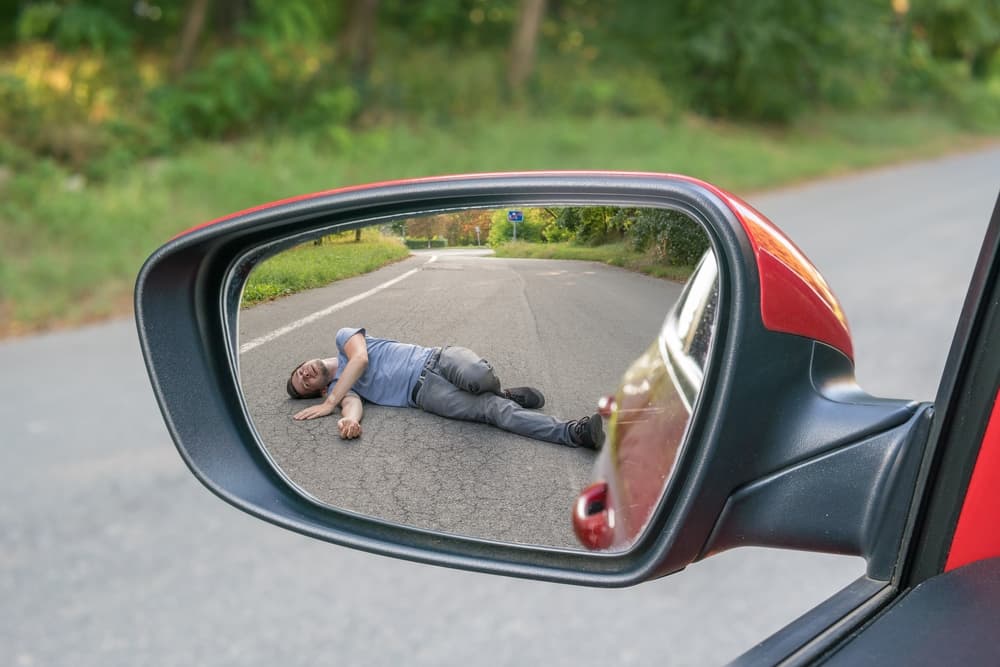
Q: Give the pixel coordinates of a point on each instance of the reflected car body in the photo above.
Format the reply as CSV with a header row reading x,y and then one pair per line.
x,y
648,417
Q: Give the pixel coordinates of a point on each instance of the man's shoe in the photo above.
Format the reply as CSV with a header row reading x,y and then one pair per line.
x,y
587,432
526,397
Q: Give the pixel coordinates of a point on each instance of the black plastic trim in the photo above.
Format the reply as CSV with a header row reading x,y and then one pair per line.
x,y
811,634
851,500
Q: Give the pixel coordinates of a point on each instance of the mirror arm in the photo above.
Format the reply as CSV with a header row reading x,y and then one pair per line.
x,y
853,500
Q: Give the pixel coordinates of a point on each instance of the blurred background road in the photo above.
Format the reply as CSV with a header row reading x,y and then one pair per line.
x,y
112,554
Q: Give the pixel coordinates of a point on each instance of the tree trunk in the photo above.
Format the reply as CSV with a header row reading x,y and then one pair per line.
x,y
356,41
525,43
193,25
229,15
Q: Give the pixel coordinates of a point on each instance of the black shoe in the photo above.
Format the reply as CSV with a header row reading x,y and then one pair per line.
x,y
526,397
587,432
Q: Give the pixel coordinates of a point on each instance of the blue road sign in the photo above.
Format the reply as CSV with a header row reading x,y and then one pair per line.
x,y
515,216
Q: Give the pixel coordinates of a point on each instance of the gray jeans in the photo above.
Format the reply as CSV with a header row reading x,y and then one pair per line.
x,y
462,385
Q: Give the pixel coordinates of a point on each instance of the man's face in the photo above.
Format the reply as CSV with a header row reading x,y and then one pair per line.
x,y
311,377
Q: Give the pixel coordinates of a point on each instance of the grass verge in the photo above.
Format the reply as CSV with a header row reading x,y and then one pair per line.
x,y
615,254
308,266
70,250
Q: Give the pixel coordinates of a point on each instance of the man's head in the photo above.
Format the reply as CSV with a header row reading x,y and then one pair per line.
x,y
310,378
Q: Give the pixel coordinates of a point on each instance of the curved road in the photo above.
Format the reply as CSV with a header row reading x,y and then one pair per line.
x,y
112,554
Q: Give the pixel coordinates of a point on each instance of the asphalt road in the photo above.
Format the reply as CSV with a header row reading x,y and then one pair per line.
x,y
557,325
112,554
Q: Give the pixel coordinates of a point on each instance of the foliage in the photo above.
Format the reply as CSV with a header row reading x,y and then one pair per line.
x,y
668,236
292,21
79,111
73,26
417,243
766,60
530,229
966,30
453,228
463,24
414,86
94,84
615,254
243,89
672,237
595,225
70,247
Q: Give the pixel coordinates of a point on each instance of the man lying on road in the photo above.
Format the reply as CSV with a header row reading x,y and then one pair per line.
x,y
451,382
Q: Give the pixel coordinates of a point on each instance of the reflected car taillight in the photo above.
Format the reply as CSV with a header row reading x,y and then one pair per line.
x,y
593,517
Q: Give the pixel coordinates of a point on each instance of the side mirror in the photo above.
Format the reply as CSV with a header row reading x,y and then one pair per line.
x,y
728,405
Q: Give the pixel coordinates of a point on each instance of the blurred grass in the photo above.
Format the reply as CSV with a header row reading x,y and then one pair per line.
x,y
615,254
308,266
69,250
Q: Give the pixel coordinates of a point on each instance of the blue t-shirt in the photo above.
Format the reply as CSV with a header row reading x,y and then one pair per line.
x,y
393,368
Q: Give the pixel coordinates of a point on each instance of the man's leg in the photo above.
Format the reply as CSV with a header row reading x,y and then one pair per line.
x,y
467,370
441,397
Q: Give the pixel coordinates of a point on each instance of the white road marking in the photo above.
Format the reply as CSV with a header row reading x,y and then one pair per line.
x,y
308,319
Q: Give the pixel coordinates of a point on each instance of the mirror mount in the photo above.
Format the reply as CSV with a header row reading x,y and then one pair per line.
x,y
851,499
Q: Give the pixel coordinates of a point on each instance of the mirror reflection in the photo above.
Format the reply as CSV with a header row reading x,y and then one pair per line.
x,y
436,373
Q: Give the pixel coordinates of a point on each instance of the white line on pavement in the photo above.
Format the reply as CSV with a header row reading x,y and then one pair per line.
x,y
277,333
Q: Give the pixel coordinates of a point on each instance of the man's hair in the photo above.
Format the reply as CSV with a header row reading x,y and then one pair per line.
x,y
290,388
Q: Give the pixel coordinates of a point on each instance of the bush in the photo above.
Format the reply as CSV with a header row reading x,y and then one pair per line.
x,y
948,85
535,221
593,225
73,26
416,244
571,87
671,236
979,105
80,109
437,83
766,60
229,94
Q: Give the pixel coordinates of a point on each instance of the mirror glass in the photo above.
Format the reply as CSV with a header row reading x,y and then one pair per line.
x,y
476,365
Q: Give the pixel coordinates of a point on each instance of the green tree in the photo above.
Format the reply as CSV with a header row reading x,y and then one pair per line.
x,y
356,41
194,24
763,60
966,30
524,44
529,230
671,236
594,225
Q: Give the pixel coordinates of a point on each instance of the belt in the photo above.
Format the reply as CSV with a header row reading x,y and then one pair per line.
x,y
429,366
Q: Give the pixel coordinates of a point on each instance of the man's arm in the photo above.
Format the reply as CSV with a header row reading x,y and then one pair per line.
x,y
350,421
356,351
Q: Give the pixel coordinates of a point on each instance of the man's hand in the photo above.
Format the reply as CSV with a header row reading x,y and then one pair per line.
x,y
314,411
349,428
